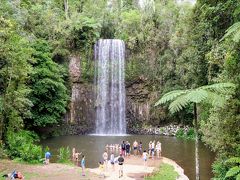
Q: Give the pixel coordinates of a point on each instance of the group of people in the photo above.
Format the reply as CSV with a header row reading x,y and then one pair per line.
x,y
103,165
152,148
124,150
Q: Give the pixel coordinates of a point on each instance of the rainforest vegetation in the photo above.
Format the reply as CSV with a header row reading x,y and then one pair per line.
x,y
170,45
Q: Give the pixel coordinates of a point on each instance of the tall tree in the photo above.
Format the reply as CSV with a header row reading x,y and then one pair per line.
x,y
49,93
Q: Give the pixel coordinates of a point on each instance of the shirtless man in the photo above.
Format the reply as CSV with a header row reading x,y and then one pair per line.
x,y
135,146
77,157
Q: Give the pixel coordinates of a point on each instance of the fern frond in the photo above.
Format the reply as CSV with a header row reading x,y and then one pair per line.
x,y
197,95
217,100
234,29
233,171
179,103
219,87
234,160
170,96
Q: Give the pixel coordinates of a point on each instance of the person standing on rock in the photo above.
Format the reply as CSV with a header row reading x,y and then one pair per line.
x,y
158,149
120,163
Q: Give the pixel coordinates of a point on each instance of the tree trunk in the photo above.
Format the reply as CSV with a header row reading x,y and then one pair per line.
x,y
196,143
66,8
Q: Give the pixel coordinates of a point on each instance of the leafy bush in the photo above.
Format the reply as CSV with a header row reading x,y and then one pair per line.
x,y
2,153
21,145
219,169
190,134
64,155
227,168
234,171
180,133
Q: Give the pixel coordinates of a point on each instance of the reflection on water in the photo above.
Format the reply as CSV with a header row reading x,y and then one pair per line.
x,y
179,150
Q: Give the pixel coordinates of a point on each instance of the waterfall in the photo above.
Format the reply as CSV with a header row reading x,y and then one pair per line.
x,y
110,86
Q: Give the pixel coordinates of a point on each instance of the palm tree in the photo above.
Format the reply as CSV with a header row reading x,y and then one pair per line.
x,y
215,94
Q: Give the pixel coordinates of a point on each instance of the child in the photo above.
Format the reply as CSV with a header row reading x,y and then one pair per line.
x,y
120,163
145,155
101,169
112,160
83,165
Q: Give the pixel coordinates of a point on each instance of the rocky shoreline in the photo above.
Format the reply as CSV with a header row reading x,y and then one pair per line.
x,y
169,130
78,129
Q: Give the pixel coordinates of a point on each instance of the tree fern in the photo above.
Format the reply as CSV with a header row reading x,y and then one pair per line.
x,y
170,96
214,94
234,32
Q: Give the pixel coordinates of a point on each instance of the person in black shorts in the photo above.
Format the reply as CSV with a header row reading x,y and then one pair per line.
x,y
128,146
120,163
123,148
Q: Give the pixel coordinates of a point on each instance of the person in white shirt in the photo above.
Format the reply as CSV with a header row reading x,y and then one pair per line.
x,y
150,148
105,159
158,149
145,156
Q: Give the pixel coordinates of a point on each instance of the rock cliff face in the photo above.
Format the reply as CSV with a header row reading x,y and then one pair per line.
x,y
81,115
140,101
140,106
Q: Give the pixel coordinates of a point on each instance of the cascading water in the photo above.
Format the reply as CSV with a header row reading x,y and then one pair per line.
x,y
110,86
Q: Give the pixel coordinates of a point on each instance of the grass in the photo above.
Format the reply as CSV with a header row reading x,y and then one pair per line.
x,y
165,172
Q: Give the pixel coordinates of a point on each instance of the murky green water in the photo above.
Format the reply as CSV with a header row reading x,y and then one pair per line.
x,y
179,150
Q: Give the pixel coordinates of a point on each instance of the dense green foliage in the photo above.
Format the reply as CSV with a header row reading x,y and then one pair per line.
x,y
21,146
190,134
49,94
165,172
64,155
